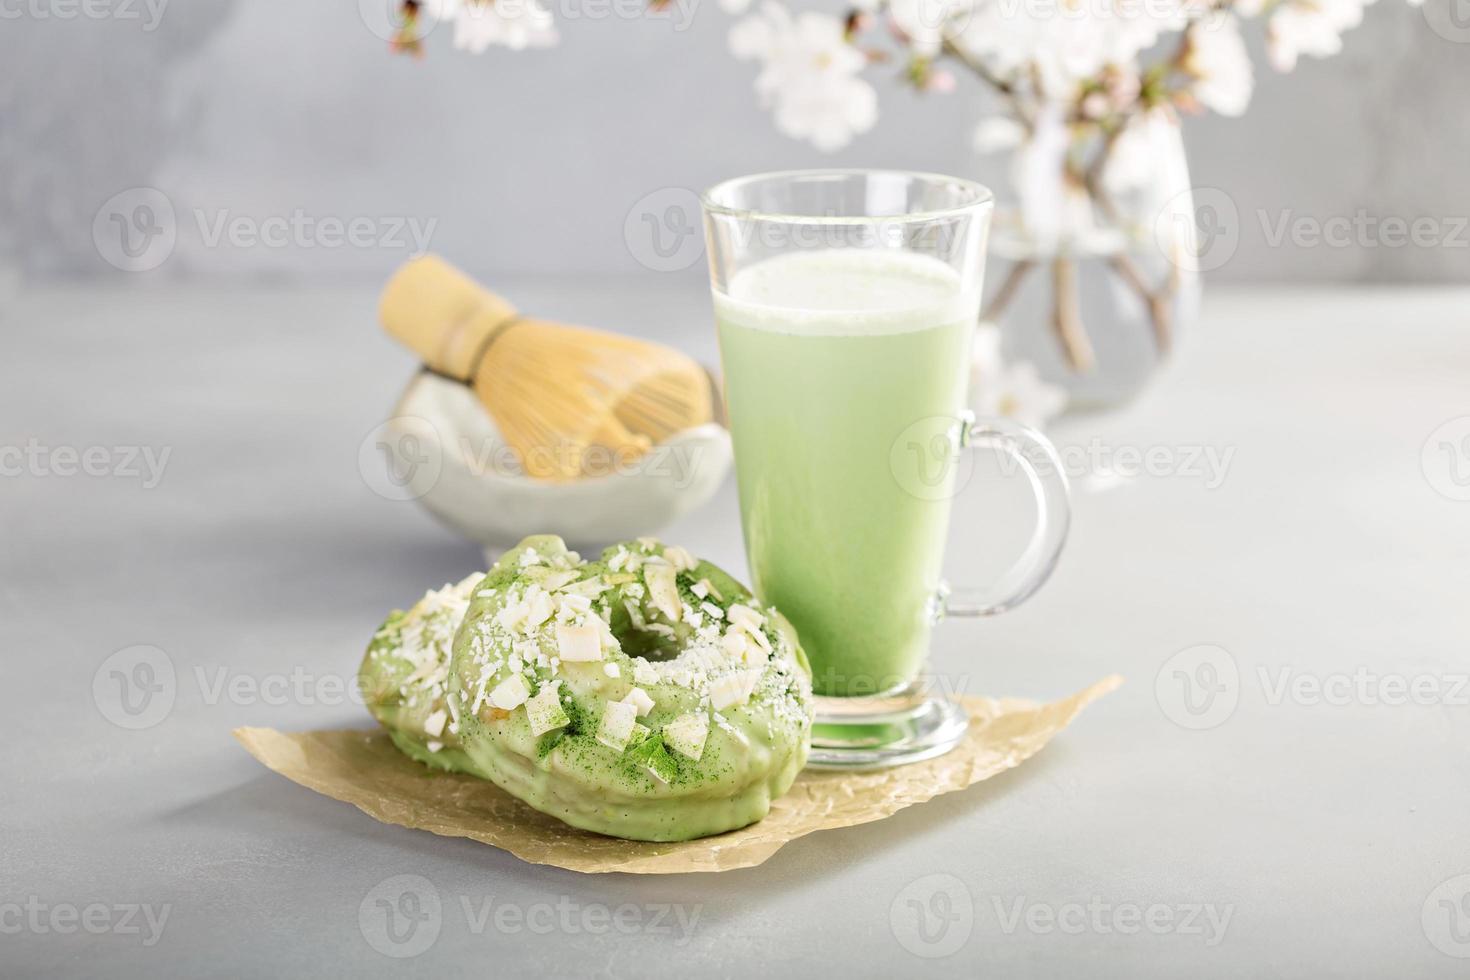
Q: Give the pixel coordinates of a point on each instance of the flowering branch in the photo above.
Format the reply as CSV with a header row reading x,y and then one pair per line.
x,y
1071,74
1100,112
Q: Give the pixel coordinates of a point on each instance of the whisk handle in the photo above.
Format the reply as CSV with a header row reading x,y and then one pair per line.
x,y
443,315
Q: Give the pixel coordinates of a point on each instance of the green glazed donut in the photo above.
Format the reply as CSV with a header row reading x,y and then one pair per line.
x,y
405,672
644,695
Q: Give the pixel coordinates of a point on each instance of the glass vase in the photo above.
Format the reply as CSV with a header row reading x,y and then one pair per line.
x,y
1098,283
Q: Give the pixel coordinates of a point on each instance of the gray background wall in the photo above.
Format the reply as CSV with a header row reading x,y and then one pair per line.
x,y
531,161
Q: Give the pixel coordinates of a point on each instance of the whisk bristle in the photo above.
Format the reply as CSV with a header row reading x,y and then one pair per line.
x,y
572,402
576,402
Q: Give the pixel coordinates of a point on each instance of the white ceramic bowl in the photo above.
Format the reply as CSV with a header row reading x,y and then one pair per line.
x,y
479,491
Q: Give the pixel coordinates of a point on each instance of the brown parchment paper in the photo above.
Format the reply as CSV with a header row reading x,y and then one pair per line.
x,y
363,768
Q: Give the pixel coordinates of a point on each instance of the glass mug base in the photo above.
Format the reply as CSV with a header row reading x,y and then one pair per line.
x,y
893,729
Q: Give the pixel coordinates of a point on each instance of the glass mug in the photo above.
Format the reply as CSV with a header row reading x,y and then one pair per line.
x,y
846,302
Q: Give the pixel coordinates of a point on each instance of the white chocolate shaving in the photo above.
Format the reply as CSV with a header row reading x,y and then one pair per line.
x,y
578,643
510,693
662,589
618,718
733,689
686,734
681,559
639,699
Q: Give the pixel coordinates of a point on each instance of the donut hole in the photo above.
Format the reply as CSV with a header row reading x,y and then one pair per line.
x,y
648,644
651,644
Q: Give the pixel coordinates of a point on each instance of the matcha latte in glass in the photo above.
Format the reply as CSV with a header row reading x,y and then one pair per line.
x,y
846,303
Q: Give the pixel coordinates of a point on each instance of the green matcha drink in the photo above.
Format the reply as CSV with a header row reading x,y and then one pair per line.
x,y
829,356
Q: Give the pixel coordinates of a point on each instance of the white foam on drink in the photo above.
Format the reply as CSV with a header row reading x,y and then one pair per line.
x,y
845,291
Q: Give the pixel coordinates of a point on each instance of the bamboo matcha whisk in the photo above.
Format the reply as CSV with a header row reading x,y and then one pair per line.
x,y
555,391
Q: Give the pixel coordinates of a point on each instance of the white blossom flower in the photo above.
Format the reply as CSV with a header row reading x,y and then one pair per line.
x,y
996,134
1053,213
1310,27
1015,391
985,360
1220,65
1139,151
1066,43
1037,177
441,9
927,22
809,75
515,24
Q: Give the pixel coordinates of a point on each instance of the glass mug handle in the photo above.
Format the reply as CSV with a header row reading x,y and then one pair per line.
x,y
1053,509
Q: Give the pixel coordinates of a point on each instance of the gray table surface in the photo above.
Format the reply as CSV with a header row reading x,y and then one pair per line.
x,y
1292,817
